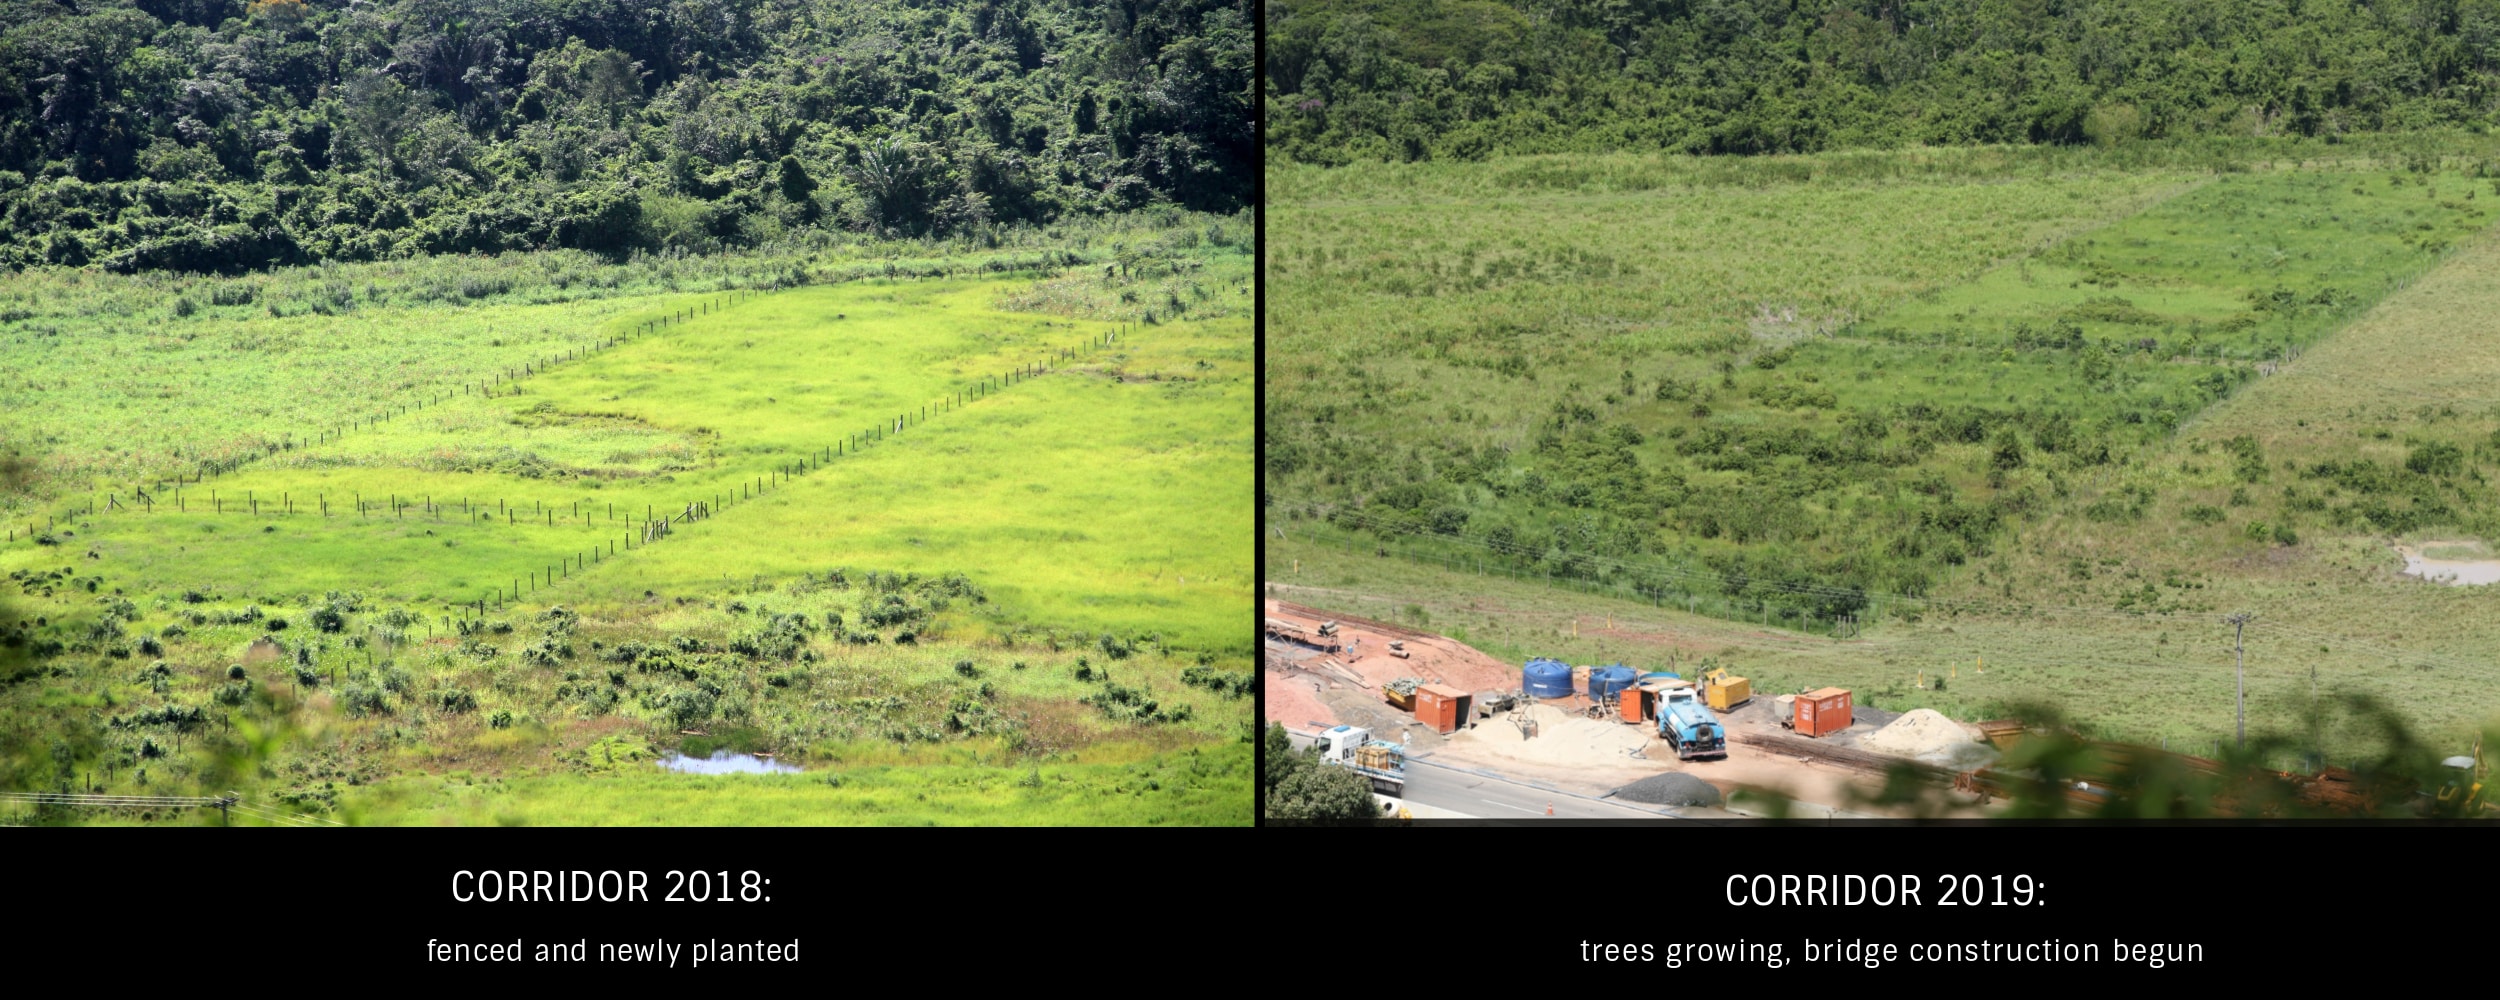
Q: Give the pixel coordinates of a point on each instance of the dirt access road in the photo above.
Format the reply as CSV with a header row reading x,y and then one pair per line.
x,y
1303,685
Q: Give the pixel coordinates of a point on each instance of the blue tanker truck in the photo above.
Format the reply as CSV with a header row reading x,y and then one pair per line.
x,y
1687,725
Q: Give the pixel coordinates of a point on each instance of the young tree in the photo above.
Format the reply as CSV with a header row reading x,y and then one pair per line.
x,y
1276,757
2009,450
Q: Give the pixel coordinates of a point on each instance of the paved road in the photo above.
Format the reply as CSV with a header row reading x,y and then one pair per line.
x,y
1489,796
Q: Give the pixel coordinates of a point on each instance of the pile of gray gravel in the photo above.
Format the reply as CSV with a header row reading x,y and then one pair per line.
x,y
1674,788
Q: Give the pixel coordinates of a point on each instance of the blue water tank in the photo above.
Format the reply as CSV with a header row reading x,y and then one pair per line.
x,y
1661,675
1544,678
1607,683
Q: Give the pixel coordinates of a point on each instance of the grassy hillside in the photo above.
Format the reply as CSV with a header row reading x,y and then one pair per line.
x,y
2065,461
1803,395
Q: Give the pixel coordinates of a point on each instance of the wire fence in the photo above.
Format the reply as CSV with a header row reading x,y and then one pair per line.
x,y
397,506
656,523
152,804
1046,264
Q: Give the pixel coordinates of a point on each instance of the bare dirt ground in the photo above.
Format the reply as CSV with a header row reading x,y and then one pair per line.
x,y
1593,757
1436,659
1569,751
1295,701
1305,686
1590,770
1364,707
1803,782
1291,680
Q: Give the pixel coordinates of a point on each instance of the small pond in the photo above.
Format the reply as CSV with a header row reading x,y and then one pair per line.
x,y
726,762
2452,564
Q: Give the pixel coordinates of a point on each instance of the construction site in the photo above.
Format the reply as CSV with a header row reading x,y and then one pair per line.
x,y
1684,740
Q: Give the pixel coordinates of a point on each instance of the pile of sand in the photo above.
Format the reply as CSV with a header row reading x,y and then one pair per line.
x,y
1674,788
1561,738
1963,756
1917,733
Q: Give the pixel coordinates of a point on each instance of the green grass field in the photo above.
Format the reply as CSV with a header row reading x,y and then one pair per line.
x,y
1835,388
2063,451
1065,488
100,365
1189,788
931,533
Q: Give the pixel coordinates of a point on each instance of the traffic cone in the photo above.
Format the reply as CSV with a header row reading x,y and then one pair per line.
x,y
1549,809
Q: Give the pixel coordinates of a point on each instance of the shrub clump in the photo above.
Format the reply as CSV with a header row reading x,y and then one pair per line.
x,y
1122,703
1229,683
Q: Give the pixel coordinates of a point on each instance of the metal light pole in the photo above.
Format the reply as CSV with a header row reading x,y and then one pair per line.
x,y
2238,620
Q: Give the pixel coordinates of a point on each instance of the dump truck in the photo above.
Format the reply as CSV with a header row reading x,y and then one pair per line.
x,y
1687,725
1724,691
1381,761
1401,692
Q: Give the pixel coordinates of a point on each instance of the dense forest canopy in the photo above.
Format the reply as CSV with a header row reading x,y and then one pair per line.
x,y
1463,79
217,135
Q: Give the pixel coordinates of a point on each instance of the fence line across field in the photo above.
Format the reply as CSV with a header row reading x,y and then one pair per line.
x,y
227,804
720,299
652,527
540,512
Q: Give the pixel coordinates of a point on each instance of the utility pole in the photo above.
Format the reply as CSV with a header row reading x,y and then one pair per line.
x,y
2238,620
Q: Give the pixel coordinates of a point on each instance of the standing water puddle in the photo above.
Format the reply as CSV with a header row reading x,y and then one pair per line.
x,y
2453,572
726,762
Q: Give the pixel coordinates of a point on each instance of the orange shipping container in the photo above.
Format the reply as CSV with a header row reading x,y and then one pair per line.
x,y
1632,706
1442,708
1823,712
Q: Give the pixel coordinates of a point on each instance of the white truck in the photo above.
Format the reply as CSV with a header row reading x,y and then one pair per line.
x,y
1381,761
